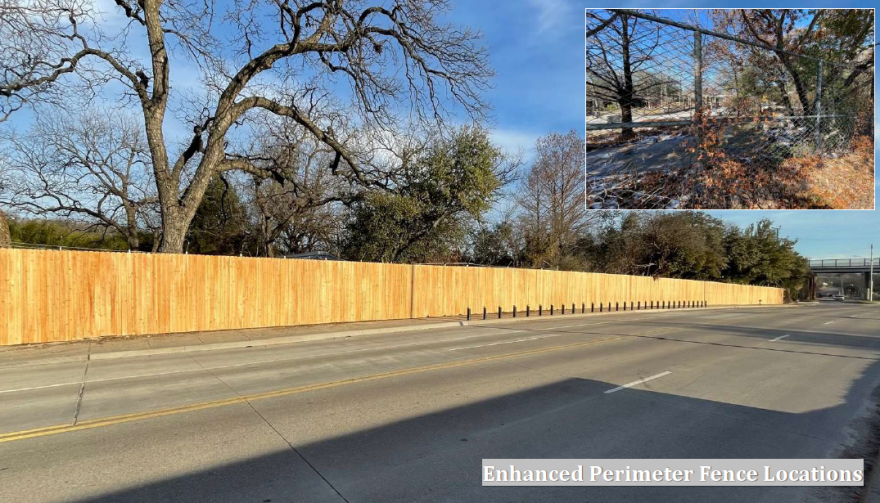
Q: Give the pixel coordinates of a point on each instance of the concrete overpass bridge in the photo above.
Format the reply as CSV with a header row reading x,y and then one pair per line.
x,y
850,276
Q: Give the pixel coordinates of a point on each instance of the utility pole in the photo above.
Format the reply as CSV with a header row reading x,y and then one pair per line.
x,y
871,275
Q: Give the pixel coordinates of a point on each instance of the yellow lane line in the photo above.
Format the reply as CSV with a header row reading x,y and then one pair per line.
x,y
138,416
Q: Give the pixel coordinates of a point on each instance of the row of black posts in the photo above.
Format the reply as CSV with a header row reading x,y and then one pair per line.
x,y
633,306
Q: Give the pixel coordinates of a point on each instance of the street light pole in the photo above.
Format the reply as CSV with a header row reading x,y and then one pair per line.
x,y
871,276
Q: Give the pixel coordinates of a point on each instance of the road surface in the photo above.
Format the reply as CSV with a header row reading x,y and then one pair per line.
x,y
409,416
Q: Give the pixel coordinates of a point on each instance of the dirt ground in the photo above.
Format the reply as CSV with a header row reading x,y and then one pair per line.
x,y
658,171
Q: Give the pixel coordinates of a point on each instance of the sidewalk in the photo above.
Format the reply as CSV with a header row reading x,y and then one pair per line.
x,y
146,345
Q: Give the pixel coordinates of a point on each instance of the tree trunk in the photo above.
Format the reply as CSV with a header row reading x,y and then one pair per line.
x,y
626,100
175,223
786,101
626,115
5,239
131,230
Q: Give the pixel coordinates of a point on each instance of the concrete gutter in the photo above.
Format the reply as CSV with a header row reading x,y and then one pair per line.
x,y
293,339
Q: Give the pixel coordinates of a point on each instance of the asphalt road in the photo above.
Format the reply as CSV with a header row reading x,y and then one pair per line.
x,y
409,416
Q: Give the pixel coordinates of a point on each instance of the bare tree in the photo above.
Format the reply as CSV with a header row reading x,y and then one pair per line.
x,y
92,165
617,47
553,199
389,54
843,36
290,224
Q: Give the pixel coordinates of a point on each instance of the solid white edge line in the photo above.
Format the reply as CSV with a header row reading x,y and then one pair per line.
x,y
640,381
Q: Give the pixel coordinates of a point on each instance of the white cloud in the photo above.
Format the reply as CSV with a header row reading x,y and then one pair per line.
x,y
514,140
552,14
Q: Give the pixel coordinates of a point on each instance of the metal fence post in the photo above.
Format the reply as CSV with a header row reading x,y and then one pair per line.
x,y
698,86
818,109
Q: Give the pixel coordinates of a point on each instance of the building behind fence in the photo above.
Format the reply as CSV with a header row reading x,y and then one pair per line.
x,y
48,296
699,90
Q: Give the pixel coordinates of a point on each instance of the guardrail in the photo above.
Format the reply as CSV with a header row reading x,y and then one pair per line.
x,y
845,262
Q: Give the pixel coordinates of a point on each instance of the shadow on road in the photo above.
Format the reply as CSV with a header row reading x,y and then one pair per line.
x,y
437,456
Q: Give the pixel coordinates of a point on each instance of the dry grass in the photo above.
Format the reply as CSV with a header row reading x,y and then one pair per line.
x,y
811,182
845,182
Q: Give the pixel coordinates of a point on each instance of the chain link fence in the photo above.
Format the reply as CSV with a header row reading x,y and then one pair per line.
x,y
682,117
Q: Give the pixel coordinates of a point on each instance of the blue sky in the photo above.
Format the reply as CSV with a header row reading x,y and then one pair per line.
x,y
537,47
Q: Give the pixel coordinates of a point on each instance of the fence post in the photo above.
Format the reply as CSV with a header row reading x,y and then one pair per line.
x,y
818,109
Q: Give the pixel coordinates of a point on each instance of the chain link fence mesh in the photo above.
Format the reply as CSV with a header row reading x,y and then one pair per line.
x,y
681,117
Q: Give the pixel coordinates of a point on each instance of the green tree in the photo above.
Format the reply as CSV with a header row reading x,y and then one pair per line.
x,y
496,245
424,218
759,256
220,225
64,233
678,245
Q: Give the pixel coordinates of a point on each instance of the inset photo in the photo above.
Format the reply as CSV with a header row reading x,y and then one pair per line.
x,y
729,108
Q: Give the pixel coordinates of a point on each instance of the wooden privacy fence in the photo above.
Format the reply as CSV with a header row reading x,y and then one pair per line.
x,y
48,295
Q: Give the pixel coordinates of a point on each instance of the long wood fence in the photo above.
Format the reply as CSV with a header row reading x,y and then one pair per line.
x,y
48,296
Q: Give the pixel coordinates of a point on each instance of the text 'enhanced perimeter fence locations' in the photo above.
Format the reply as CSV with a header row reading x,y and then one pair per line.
x,y
664,96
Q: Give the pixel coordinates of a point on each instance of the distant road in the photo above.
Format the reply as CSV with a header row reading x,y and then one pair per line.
x,y
408,416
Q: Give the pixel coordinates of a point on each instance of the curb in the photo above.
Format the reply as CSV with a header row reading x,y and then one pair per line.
x,y
293,339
